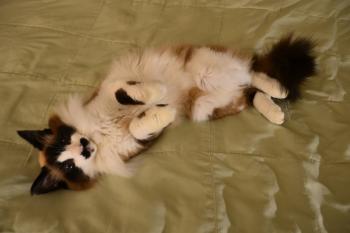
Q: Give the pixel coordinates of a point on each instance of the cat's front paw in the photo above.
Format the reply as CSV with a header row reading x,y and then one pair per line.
x,y
152,122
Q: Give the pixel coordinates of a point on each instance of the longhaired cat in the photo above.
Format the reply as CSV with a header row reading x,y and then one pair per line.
x,y
145,92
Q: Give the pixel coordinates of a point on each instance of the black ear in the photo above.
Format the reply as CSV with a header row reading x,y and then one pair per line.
x,y
35,137
45,183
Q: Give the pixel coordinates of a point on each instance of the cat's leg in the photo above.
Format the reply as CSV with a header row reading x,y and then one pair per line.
x,y
236,106
203,106
151,123
138,93
265,105
269,85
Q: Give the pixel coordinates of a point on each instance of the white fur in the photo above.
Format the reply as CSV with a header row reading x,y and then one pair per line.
x,y
154,121
221,76
205,105
264,104
217,72
268,85
164,80
73,151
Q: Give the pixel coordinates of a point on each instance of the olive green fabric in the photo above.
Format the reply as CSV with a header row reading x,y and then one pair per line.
x,y
238,174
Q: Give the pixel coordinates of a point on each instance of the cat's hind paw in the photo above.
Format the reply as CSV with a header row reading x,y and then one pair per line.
x,y
264,104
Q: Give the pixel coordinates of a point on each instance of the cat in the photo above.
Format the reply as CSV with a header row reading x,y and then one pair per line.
x,y
146,92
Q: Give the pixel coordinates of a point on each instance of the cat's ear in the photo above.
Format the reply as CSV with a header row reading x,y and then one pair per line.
x,y
46,182
35,137
55,122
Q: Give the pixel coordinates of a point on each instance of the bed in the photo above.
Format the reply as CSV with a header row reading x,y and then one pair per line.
x,y
237,174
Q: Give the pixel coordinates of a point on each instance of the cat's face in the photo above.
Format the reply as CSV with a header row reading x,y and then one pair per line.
x,y
67,158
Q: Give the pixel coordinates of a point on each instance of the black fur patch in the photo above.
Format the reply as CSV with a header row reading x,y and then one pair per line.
x,y
133,82
35,137
290,61
45,183
84,142
122,97
71,172
48,179
62,139
249,94
148,141
162,105
86,153
142,114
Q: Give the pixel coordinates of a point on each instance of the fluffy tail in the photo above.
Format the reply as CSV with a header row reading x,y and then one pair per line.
x,y
290,61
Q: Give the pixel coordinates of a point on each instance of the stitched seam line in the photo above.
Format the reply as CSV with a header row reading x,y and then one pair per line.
x,y
212,175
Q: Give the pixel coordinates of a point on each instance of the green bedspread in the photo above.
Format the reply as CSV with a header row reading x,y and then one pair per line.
x,y
239,174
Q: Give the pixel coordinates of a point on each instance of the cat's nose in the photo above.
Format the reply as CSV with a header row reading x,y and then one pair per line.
x,y
84,142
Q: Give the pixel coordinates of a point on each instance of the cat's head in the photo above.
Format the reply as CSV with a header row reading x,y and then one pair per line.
x,y
66,157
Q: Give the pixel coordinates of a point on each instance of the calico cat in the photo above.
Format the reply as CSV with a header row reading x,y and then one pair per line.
x,y
146,92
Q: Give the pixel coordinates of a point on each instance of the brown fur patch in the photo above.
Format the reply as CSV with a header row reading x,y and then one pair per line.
x,y
81,185
132,83
54,122
230,109
42,159
193,94
184,52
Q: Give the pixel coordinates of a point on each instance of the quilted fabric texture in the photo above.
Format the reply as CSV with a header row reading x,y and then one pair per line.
x,y
238,174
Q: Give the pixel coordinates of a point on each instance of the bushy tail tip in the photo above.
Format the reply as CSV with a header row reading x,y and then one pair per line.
x,y
290,61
